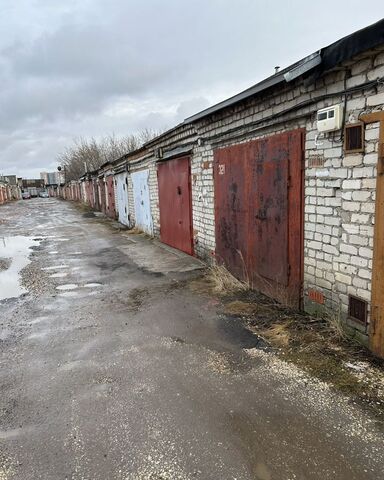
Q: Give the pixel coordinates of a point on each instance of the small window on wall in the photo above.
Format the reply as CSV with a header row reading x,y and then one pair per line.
x,y
354,138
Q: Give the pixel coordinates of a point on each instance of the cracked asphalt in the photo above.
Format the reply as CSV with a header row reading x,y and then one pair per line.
x,y
112,367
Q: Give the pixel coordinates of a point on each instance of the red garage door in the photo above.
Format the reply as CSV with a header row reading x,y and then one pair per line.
x,y
175,204
259,210
102,195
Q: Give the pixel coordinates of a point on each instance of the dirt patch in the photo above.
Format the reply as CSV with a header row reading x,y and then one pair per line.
x,y
137,298
89,215
241,308
318,345
35,280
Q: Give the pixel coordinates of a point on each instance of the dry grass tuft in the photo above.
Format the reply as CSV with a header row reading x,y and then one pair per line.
x,y
335,327
279,334
218,281
223,282
239,308
134,231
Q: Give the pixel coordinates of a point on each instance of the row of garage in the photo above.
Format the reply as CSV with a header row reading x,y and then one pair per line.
x,y
254,184
252,205
8,192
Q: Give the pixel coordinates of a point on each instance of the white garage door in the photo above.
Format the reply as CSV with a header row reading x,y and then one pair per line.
x,y
122,198
142,201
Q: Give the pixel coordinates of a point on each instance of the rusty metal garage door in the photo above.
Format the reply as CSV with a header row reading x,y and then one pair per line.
x,y
102,196
259,213
175,204
110,204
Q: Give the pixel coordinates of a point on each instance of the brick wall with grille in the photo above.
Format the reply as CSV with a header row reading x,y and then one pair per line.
x,y
339,188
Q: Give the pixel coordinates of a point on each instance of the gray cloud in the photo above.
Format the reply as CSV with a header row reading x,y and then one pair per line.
x,y
92,68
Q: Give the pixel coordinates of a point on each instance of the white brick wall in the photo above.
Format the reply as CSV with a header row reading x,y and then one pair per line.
x,y
339,197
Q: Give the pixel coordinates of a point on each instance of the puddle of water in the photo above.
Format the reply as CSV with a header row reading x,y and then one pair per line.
x,y
38,336
69,294
59,275
92,285
18,249
13,433
53,252
55,267
68,286
38,320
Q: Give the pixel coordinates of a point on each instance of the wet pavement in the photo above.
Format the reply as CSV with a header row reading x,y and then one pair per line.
x,y
112,367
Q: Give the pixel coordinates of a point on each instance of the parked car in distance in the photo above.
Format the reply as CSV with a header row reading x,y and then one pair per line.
x,y
43,194
25,195
33,191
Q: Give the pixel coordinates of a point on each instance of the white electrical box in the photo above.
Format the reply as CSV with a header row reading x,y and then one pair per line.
x,y
329,119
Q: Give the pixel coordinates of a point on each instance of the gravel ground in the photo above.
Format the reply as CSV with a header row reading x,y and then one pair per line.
x,y
112,366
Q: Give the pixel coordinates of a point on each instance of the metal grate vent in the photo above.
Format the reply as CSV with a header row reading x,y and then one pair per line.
x,y
354,138
358,309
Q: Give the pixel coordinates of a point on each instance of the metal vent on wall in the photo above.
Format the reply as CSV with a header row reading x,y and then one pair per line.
x,y
354,138
358,309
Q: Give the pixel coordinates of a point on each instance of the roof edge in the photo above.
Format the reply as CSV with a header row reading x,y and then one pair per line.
x,y
324,59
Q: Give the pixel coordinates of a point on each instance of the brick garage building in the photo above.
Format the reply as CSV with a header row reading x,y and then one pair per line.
x,y
324,234
261,184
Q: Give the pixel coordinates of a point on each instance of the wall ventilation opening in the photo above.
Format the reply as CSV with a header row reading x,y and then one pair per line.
x,y
354,138
358,309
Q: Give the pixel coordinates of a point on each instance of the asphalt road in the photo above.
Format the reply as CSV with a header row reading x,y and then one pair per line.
x,y
113,367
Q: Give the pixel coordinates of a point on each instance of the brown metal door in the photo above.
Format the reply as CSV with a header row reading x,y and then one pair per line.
x,y
111,212
231,208
102,195
269,194
95,187
175,204
258,209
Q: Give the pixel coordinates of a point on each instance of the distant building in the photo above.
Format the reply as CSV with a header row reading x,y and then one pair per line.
x,y
52,178
11,179
32,183
44,177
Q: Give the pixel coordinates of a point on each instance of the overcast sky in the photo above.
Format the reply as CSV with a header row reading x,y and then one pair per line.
x,y
95,67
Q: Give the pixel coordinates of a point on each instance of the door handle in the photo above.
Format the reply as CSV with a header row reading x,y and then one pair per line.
x,y
179,190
